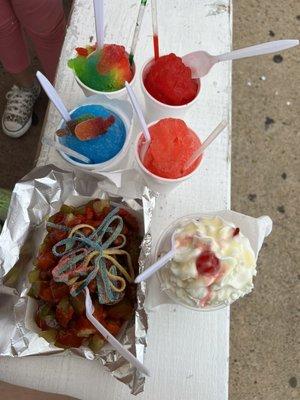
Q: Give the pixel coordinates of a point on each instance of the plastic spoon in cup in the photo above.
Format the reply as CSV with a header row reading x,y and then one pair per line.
x,y
201,62
53,96
99,27
215,133
141,118
158,264
110,338
66,150
99,22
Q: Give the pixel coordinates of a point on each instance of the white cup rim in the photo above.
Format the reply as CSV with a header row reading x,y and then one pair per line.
x,y
104,164
157,177
159,103
115,92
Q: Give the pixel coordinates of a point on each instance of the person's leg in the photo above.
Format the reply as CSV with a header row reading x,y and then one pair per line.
x,y
13,50
16,119
44,22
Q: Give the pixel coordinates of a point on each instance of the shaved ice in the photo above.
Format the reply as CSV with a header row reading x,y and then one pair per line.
x,y
105,69
172,145
170,81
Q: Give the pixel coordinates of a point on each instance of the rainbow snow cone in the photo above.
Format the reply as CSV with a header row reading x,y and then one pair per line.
x,y
103,70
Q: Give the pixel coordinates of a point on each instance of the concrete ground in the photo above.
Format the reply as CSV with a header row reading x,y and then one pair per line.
x,y
264,355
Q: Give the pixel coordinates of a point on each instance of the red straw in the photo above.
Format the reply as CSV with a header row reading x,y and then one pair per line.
x,y
155,29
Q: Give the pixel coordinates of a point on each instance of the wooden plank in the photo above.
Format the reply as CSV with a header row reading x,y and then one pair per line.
x,y
187,351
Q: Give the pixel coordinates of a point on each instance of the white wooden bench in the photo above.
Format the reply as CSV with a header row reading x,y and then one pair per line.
x,y
187,351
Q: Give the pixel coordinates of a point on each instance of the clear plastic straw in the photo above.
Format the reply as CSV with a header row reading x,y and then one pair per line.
x,y
141,118
139,112
215,133
137,29
155,28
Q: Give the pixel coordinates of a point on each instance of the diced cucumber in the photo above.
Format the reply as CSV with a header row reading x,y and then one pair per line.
x,y
96,342
69,218
49,335
34,275
78,304
99,205
66,209
35,289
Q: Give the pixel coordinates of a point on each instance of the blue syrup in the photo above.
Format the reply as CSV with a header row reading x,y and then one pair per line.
x,y
105,146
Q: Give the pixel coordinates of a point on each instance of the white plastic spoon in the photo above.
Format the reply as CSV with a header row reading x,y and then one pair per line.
x,y
159,263
66,150
53,96
110,338
141,118
201,62
214,134
99,22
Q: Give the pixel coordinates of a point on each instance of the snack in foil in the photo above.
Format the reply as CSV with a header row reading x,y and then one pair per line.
x,y
95,245
42,193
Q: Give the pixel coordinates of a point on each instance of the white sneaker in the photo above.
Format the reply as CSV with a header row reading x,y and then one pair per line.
x,y
17,116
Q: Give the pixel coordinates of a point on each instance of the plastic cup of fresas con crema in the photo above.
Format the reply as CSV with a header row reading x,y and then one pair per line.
x,y
109,149
103,71
164,164
213,266
168,87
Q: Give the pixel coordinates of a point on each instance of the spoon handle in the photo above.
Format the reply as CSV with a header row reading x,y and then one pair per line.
x,y
110,338
53,96
65,149
155,267
263,48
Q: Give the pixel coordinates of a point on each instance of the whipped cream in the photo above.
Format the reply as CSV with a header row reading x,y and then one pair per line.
x,y
213,264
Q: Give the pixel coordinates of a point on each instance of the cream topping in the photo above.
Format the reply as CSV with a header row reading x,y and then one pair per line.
x,y
193,282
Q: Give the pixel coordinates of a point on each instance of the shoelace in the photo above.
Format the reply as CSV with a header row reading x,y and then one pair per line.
x,y
19,102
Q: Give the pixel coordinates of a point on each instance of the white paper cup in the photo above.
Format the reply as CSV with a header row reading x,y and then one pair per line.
x,y
163,246
156,109
155,182
124,110
117,94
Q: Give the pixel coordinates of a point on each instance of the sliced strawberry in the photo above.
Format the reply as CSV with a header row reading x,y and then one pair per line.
x,y
46,260
122,310
89,212
57,235
72,220
68,338
99,312
59,290
113,327
57,218
46,275
84,327
45,292
78,303
92,286
129,219
64,312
